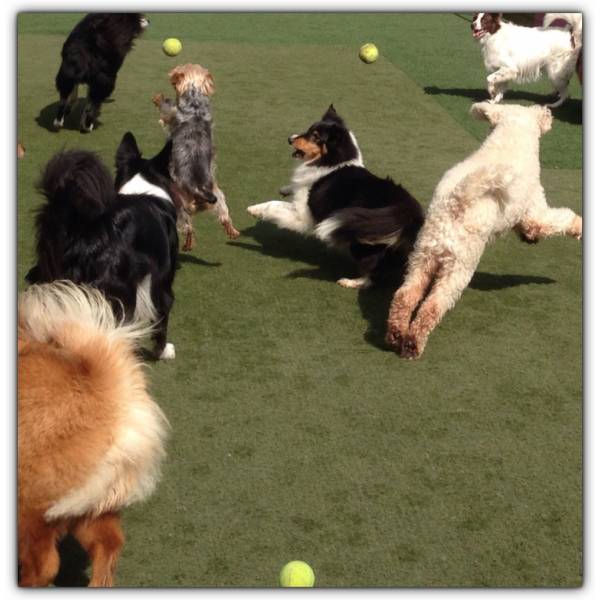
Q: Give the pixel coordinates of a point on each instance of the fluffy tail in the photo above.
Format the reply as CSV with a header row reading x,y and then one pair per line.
x,y
80,323
45,310
385,226
575,22
77,180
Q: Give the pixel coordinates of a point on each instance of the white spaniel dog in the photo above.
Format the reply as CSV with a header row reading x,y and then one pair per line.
x,y
515,53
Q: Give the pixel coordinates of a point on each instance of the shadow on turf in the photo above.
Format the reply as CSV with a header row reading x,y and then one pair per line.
x,y
570,112
46,117
190,258
329,264
374,302
73,564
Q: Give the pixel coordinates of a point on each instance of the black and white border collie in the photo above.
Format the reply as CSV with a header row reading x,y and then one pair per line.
x,y
336,199
125,244
93,54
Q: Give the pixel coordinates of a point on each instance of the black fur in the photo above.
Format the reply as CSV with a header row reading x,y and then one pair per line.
x,y
88,233
368,208
93,54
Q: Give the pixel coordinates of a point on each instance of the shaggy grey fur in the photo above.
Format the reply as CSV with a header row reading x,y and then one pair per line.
x,y
189,121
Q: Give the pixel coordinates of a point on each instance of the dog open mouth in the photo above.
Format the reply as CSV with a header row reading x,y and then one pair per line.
x,y
297,153
478,33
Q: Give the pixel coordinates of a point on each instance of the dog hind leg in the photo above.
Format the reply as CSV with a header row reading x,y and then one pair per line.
x,y
447,289
421,271
99,90
222,211
38,556
102,538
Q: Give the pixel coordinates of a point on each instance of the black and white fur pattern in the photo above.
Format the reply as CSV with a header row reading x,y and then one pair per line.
x,y
125,244
515,53
336,199
93,54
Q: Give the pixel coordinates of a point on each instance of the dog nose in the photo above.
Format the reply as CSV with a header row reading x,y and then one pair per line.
x,y
292,138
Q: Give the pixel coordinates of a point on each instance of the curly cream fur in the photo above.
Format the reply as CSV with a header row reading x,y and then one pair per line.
x,y
494,190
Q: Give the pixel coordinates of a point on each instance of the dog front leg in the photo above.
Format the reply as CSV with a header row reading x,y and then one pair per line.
x,y
498,82
283,214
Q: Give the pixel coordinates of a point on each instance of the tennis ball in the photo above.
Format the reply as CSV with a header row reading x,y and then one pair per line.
x,y
172,47
368,53
297,574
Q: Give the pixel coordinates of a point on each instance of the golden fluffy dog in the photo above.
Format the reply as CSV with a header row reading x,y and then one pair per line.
x,y
90,438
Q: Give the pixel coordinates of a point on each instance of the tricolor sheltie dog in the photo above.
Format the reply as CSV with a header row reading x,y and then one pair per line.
x,y
125,244
90,437
335,198
92,55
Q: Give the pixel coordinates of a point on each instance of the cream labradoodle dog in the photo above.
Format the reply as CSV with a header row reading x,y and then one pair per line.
x,y
495,189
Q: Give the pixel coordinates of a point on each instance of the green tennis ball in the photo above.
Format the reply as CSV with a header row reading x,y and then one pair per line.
x,y
172,47
297,574
368,53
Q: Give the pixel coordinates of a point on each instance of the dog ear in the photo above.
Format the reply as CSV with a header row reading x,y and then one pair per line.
x,y
175,76
544,119
331,114
208,85
486,111
129,145
126,152
162,160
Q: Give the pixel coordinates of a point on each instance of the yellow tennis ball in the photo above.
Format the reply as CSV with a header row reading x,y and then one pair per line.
x,y
297,574
368,53
172,47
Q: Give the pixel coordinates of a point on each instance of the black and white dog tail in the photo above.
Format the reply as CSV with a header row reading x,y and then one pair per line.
x,y
385,226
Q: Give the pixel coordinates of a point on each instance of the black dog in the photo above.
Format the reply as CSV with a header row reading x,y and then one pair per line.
x,y
124,244
93,54
336,199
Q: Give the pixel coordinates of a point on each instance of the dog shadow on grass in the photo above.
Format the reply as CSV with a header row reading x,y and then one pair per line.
x,y
330,265
569,112
74,562
47,115
327,264
375,302
196,260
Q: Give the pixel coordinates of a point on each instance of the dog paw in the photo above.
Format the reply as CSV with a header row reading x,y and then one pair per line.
x,y
168,352
393,338
231,231
410,347
356,284
576,228
58,124
256,210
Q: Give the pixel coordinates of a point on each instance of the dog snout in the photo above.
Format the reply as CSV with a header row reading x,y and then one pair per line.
x,y
292,138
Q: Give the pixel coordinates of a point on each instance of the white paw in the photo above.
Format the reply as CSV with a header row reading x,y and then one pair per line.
x,y
257,210
358,283
168,353
58,123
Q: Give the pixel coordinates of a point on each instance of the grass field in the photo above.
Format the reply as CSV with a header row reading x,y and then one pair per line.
x,y
295,433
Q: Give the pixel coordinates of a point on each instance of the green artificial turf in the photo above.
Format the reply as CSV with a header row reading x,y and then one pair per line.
x,y
295,433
